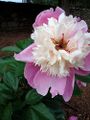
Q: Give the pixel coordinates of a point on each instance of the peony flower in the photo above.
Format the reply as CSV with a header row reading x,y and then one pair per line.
x,y
60,50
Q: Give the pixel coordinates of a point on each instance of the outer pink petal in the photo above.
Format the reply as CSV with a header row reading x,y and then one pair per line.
x,y
82,26
81,72
87,63
58,86
81,84
57,12
26,54
73,118
43,82
86,69
69,86
44,15
30,71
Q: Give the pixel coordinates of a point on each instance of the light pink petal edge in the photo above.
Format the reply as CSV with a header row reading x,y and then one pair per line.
x,y
26,54
43,16
30,71
58,86
81,84
86,70
81,72
87,63
43,82
69,86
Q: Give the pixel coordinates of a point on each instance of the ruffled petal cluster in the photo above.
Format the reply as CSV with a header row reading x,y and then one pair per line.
x,y
60,50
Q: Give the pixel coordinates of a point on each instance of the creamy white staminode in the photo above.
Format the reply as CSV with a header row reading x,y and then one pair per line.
x,y
60,45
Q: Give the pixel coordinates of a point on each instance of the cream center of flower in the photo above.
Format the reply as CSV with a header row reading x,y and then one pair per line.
x,y
60,44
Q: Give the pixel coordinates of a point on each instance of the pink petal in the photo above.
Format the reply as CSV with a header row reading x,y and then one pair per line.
x,y
81,72
58,85
78,19
43,82
58,11
87,63
30,71
73,118
82,26
44,15
26,54
69,86
81,84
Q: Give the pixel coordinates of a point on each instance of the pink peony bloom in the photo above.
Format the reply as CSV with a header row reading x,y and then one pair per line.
x,y
60,50
73,118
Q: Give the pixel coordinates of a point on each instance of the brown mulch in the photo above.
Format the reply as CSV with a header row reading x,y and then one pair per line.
x,y
79,106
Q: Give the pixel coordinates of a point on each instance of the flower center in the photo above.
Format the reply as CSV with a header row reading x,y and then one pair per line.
x,y
61,44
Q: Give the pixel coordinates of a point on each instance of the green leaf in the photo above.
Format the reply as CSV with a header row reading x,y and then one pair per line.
x,y
37,112
34,116
10,49
55,105
33,97
18,68
7,60
11,65
18,104
24,43
4,89
43,112
5,93
85,79
7,113
11,80
77,91
5,64
26,114
1,110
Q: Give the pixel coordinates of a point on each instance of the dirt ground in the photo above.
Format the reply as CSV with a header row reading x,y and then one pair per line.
x,y
79,106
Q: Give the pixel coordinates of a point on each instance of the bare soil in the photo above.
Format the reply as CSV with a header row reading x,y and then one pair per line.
x,y
79,106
